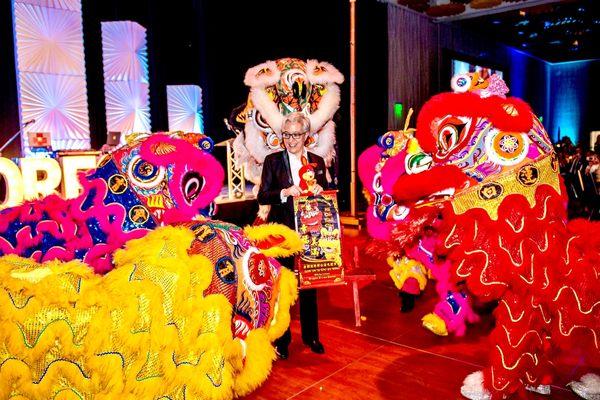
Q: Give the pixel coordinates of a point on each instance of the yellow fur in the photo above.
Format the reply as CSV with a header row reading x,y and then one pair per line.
x,y
435,324
405,268
145,330
288,293
290,245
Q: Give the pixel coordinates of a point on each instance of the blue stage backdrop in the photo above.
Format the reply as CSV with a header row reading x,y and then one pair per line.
x,y
572,86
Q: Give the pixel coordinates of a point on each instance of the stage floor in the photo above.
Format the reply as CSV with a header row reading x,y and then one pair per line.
x,y
390,357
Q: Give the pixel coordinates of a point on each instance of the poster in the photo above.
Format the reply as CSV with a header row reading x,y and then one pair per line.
x,y
318,223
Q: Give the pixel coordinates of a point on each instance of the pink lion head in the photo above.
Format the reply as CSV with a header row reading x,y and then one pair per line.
x,y
396,155
171,175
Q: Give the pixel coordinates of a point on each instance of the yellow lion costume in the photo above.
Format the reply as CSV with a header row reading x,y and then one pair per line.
x,y
171,321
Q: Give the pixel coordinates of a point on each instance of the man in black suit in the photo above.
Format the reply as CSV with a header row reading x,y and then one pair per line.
x,y
279,184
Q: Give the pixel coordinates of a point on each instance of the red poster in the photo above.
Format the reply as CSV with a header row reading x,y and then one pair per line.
x,y
318,223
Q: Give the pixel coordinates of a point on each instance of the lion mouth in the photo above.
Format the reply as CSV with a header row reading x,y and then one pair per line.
x,y
192,186
435,185
439,196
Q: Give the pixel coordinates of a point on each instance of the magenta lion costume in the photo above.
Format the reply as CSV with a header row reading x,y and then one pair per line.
x,y
410,256
153,180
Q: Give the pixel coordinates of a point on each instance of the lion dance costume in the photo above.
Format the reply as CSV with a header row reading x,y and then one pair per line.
x,y
187,307
278,88
488,198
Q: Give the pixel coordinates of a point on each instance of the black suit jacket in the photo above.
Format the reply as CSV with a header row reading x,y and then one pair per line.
x,y
276,176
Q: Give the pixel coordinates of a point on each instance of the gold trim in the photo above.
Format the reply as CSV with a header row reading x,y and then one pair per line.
x,y
489,195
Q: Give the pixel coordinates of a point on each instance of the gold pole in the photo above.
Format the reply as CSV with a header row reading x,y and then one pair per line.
x,y
353,108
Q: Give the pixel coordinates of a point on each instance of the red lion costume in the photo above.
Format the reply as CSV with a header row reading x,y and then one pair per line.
x,y
505,233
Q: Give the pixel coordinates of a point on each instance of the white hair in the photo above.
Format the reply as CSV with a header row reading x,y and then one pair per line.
x,y
296,118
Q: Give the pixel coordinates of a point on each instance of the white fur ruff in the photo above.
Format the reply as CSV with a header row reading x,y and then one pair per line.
x,y
253,171
323,73
255,143
325,144
267,107
270,75
329,104
588,387
473,389
241,155
541,389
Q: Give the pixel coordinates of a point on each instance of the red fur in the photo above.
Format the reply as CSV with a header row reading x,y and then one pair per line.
x,y
268,242
471,105
521,259
542,270
410,188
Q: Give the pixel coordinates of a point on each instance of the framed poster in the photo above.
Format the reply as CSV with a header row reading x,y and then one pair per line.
x,y
318,223
594,135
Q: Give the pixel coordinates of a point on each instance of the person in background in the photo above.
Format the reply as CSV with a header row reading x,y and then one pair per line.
x,y
279,185
593,167
591,183
567,145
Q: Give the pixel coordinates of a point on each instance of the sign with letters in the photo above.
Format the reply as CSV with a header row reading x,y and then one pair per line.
x,y
41,176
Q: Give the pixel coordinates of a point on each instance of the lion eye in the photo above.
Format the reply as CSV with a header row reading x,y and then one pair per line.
x,y
144,174
193,183
418,163
448,137
451,132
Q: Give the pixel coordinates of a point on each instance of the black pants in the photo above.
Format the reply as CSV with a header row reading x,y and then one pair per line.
x,y
308,313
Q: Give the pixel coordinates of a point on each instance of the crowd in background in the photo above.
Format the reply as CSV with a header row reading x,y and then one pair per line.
x,y
580,168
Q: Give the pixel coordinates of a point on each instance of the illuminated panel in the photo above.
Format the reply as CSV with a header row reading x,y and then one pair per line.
x,y
51,71
124,51
125,60
73,5
58,103
127,107
184,103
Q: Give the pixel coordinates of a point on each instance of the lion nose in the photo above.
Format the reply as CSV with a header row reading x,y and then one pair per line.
x,y
299,89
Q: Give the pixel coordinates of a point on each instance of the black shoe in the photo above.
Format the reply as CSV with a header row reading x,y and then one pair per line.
x,y
408,302
315,346
282,352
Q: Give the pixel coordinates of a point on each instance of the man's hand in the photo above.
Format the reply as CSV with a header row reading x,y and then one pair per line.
x,y
317,189
291,191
